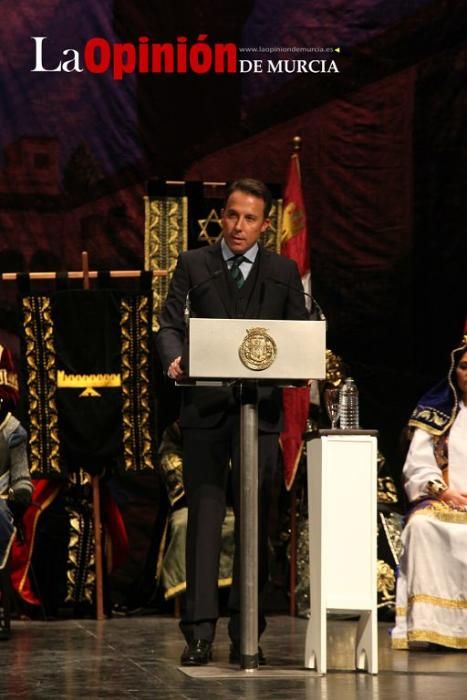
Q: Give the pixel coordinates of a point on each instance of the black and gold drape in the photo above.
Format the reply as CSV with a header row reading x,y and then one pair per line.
x,y
88,375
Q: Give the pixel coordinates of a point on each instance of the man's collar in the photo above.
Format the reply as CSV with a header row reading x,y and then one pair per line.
x,y
250,254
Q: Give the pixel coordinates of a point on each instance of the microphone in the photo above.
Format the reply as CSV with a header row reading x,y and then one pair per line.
x,y
300,290
187,308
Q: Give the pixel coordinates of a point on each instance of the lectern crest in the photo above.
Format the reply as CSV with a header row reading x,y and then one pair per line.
x,y
258,349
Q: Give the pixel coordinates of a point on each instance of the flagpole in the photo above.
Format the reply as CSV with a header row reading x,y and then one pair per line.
x,y
296,147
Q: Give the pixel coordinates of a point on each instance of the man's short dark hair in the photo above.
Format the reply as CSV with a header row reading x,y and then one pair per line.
x,y
253,187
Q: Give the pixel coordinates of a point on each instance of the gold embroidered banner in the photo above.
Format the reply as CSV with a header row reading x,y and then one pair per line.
x,y
88,370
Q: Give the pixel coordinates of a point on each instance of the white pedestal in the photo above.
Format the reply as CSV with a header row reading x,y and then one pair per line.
x,y
342,501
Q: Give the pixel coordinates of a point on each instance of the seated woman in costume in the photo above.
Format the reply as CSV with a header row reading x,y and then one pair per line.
x,y
431,603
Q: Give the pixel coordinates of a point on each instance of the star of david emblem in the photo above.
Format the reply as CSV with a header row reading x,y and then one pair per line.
x,y
208,228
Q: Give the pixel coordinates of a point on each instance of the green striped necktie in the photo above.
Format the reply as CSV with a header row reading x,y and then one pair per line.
x,y
235,270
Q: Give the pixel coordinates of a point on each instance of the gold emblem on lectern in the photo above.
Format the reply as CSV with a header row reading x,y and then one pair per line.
x,y
258,350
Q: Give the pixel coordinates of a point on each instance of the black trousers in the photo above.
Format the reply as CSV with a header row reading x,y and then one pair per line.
x,y
207,456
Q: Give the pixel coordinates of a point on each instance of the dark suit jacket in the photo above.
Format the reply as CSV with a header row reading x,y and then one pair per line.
x,y
276,294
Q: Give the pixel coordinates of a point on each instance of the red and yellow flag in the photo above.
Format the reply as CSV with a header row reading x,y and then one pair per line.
x,y
294,244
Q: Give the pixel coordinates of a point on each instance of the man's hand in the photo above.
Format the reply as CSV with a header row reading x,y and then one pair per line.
x,y
175,370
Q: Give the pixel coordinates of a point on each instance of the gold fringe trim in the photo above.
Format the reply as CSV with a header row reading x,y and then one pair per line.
x,y
436,600
399,644
441,511
83,381
181,587
436,638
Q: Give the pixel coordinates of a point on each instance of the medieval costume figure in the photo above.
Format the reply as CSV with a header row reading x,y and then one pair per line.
x,y
15,481
431,603
171,570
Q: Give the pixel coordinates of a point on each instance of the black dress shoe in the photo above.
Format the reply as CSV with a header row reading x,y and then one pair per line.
x,y
234,655
197,653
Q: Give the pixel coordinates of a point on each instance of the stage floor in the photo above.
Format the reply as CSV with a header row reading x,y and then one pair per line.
x,y
138,657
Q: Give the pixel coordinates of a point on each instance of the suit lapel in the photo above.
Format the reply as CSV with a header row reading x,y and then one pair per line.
x,y
214,262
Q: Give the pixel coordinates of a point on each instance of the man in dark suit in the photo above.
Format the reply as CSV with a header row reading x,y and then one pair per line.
x,y
236,278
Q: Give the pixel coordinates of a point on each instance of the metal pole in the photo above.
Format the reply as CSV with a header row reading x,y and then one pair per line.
x,y
249,527
293,553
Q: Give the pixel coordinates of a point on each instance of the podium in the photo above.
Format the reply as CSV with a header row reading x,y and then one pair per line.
x,y
253,352
342,502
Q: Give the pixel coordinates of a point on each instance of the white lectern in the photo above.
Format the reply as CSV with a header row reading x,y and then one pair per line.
x,y
342,501
253,352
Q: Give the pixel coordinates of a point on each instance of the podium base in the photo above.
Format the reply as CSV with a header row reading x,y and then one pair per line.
x,y
215,672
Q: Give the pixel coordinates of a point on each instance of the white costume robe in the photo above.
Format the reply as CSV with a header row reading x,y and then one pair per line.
x,y
431,598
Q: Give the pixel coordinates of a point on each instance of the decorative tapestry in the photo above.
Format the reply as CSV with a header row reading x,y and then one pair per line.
x,y
87,356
